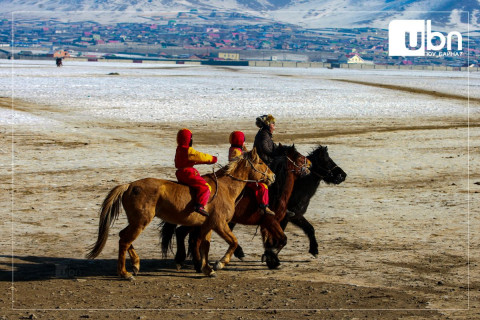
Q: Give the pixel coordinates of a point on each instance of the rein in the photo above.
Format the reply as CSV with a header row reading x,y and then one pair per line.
x,y
216,184
303,167
255,169
235,178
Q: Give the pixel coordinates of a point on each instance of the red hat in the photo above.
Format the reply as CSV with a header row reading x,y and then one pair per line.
x,y
183,137
237,138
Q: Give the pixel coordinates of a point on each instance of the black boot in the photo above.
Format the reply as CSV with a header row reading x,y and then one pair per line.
x,y
266,209
200,209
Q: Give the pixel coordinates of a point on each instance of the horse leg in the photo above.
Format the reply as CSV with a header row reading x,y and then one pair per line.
x,y
192,238
266,237
226,234
238,251
181,255
278,238
127,236
273,231
202,247
134,259
309,230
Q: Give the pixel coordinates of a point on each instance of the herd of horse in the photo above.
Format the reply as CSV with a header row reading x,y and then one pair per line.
x,y
292,177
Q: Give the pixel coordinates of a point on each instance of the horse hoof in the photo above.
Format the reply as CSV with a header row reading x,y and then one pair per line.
x,y
264,256
315,256
241,258
178,266
136,270
212,274
128,277
218,265
272,260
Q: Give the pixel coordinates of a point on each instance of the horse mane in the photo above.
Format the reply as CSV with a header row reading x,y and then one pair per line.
x,y
279,167
233,165
229,168
314,154
306,187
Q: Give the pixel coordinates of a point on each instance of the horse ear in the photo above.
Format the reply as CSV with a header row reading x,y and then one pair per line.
x,y
279,144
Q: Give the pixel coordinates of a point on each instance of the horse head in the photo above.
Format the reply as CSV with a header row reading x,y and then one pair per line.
x,y
259,171
296,162
325,167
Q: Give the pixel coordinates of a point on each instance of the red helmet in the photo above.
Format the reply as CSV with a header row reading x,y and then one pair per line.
x,y
237,138
184,137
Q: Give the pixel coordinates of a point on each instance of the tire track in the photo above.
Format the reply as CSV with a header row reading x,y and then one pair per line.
x,y
432,93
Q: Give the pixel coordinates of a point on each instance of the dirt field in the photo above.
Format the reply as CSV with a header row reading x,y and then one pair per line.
x,y
398,239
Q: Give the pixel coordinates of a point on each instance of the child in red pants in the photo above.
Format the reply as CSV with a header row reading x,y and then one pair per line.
x,y
237,147
185,158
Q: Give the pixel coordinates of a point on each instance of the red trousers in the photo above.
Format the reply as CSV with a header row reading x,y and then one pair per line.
x,y
261,192
192,178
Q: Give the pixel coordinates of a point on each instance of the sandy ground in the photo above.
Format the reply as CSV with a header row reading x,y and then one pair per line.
x,y
398,239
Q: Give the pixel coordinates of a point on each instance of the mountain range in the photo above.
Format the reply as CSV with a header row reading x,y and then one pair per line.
x,y
445,14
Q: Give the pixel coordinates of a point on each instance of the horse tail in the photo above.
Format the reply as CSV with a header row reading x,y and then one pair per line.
x,y
167,230
108,214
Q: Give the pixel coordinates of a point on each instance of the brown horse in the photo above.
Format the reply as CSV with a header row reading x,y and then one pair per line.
x,y
172,202
288,165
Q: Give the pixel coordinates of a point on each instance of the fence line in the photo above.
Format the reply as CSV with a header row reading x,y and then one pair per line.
x,y
292,64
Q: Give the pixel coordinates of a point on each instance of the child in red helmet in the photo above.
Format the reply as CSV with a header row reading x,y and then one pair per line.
x,y
185,158
237,147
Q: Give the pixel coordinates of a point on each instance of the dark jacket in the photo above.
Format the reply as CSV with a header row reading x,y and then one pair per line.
x,y
265,146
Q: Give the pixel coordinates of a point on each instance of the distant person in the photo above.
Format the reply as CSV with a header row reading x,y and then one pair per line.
x,y
185,158
59,62
263,140
237,148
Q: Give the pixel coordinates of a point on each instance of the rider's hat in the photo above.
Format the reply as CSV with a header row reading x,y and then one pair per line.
x,y
237,138
265,120
184,136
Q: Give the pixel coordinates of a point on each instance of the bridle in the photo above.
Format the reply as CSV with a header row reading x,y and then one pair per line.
x,y
328,172
264,176
303,168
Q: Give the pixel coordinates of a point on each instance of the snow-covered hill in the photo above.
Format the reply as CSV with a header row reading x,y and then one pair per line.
x,y
307,13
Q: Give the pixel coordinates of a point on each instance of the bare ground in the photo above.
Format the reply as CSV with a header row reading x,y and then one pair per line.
x,y
398,239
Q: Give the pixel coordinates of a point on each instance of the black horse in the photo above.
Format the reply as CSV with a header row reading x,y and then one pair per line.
x,y
323,168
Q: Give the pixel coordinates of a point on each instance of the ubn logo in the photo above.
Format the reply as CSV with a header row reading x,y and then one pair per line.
x,y
399,29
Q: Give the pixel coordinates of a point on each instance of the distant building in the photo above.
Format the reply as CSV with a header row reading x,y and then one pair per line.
x,y
61,54
229,56
357,59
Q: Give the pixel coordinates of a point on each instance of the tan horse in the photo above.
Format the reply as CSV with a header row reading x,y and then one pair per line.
x,y
173,202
